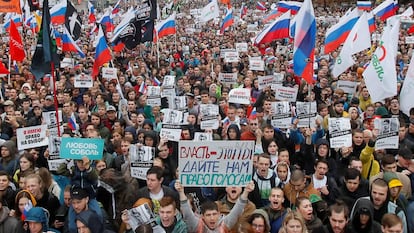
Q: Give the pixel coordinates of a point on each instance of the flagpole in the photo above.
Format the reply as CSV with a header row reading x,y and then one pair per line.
x,y
55,100
9,79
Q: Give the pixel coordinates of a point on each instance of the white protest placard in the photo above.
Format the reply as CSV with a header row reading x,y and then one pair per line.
x,y
209,113
54,164
387,133
31,137
67,62
281,115
173,117
141,158
228,78
54,144
340,134
256,63
265,81
281,49
347,86
409,39
239,96
201,137
153,95
279,77
168,92
168,82
224,51
285,93
109,73
241,47
141,215
171,134
252,28
306,113
215,164
180,103
231,56
83,81
50,120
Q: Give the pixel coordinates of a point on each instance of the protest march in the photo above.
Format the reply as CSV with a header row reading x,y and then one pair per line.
x,y
203,116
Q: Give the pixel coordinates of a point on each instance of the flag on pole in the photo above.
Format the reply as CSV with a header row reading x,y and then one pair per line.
x,y
116,8
293,6
57,12
227,21
45,52
338,33
166,27
126,20
304,42
91,17
371,22
279,29
102,54
273,14
261,6
73,21
364,5
380,75
15,44
69,45
385,10
210,11
354,43
407,93
243,10
10,6
16,18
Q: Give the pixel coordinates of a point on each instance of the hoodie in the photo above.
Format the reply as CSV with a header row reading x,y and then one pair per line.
x,y
283,182
363,206
308,164
10,164
265,184
91,220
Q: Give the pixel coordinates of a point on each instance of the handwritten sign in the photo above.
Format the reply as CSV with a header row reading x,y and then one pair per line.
x,y
228,78
76,148
285,93
239,96
109,73
83,81
171,134
215,164
30,137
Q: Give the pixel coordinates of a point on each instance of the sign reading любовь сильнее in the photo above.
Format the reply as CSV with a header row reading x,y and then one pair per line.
x,y
215,163
76,148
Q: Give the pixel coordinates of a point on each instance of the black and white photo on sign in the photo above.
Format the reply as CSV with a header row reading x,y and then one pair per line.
x,y
140,215
200,137
141,154
54,146
180,102
281,116
209,110
388,131
153,92
169,81
280,107
306,113
50,118
335,125
340,134
173,117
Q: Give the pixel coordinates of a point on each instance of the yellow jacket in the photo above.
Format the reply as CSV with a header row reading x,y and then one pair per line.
x,y
368,161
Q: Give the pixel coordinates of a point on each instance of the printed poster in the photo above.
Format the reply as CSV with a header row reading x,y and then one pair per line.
x,y
340,134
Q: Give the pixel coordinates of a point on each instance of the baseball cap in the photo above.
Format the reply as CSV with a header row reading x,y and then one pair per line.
x,y
8,103
243,121
111,108
78,193
49,97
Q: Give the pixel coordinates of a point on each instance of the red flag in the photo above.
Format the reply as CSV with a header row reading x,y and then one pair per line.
x,y
16,44
410,30
3,69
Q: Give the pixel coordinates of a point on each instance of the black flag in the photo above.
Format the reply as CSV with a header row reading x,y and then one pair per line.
x,y
73,21
147,31
45,53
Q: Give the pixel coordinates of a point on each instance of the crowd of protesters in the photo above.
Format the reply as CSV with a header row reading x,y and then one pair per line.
x,y
300,183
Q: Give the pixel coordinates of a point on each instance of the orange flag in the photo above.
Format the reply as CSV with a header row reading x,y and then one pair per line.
x,y
15,43
10,6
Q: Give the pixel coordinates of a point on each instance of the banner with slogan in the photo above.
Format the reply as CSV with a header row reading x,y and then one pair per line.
x,y
256,63
241,47
76,148
267,80
340,134
215,164
347,86
285,93
83,81
228,78
141,160
109,73
231,56
281,115
387,133
31,137
239,96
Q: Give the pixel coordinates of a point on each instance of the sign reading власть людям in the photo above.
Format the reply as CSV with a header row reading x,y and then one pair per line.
x,y
215,163
76,148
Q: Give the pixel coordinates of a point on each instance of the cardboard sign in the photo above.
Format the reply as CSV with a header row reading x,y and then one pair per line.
x,y
76,148
256,63
224,51
31,137
347,86
215,164
241,47
228,78
239,96
285,93
83,81
109,73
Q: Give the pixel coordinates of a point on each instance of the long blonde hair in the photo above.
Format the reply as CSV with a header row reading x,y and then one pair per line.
x,y
293,215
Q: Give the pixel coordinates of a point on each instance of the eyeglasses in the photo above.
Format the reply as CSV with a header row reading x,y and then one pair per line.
x,y
256,226
253,124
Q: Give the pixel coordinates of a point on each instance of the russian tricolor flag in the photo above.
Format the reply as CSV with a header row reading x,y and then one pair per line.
x,y
102,54
253,114
277,30
243,10
385,10
117,7
261,6
17,20
364,5
143,88
304,42
92,17
293,6
57,13
337,34
72,123
156,82
371,22
272,15
107,21
166,27
227,21
69,45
